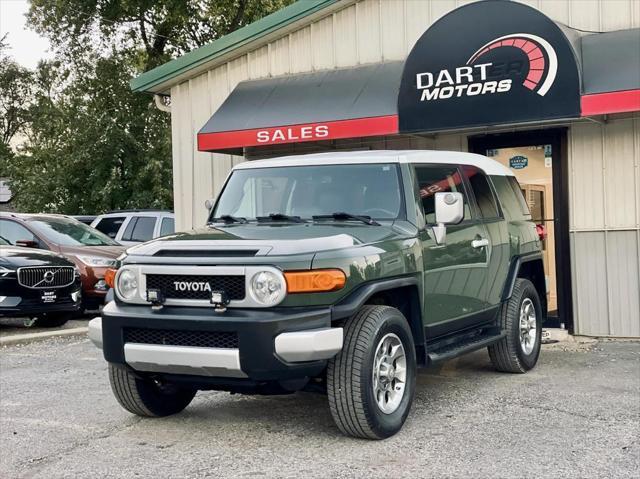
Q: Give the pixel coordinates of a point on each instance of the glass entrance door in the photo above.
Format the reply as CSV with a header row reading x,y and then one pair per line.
x,y
532,166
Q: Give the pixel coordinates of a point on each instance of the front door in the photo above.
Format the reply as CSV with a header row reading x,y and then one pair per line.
x,y
455,273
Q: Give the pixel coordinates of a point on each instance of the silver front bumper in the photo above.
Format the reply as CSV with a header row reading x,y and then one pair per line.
x,y
95,331
184,360
310,345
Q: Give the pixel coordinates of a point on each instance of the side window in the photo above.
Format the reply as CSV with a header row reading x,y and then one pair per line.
x,y
515,186
482,191
12,232
439,179
140,228
110,225
167,227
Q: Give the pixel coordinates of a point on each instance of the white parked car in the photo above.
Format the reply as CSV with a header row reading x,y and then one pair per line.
x,y
130,227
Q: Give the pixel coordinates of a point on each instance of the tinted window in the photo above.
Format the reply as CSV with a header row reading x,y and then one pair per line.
x,y
140,228
439,179
371,190
12,232
167,227
110,225
69,232
482,191
515,186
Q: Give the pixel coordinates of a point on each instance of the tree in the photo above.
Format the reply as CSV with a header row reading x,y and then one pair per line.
x,y
94,145
15,93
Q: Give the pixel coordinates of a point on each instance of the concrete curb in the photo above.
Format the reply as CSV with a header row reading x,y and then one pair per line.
x,y
32,337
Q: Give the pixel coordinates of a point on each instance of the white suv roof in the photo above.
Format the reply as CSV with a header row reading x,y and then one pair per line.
x,y
489,166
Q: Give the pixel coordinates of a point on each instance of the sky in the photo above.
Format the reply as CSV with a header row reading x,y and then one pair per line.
x,y
25,46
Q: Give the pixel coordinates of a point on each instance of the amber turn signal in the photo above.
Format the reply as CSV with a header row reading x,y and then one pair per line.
x,y
110,277
320,280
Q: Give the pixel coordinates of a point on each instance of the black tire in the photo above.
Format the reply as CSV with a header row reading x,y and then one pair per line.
x,y
508,355
146,398
51,320
350,374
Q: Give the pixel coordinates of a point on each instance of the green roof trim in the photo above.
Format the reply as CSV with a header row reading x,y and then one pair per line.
x,y
221,46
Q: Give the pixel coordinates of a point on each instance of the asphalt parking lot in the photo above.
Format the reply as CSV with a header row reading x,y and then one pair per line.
x,y
576,415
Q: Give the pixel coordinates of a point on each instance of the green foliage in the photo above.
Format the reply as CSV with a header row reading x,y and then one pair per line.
x,y
93,145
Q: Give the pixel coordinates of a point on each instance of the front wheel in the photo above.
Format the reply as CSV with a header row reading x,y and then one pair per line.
x,y
521,318
144,397
371,382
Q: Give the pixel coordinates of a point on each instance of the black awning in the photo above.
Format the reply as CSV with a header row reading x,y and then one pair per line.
x,y
315,106
611,61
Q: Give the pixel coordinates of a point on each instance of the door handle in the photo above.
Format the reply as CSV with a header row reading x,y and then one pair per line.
x,y
479,243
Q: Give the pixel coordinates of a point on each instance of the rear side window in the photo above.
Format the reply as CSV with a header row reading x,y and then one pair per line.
x,y
167,227
515,186
140,228
482,191
110,225
439,179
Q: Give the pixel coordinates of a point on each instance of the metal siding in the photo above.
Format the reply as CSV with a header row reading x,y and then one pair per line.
x,y
586,177
585,15
300,50
417,15
368,26
322,40
591,302
620,185
394,44
280,60
345,37
605,228
624,283
202,165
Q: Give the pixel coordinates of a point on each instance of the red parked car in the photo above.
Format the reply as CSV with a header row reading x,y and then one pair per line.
x,y
90,250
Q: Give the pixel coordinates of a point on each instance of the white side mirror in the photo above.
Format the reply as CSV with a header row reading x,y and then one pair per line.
x,y
208,204
449,211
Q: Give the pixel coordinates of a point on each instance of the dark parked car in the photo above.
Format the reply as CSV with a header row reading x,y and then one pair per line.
x,y
38,285
91,251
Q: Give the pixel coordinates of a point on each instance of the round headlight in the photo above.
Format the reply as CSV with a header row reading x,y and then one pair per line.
x,y
267,288
127,284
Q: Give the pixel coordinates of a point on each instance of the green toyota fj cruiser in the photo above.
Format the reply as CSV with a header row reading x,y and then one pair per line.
x,y
336,272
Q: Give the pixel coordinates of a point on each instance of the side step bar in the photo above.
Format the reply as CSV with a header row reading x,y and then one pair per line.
x,y
464,346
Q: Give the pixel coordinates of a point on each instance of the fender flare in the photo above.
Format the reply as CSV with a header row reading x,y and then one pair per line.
x,y
514,269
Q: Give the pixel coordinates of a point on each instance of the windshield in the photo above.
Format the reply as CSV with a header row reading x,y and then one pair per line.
x,y
307,191
68,232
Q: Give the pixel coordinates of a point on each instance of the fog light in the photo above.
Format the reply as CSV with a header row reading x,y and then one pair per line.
x,y
154,296
75,296
101,285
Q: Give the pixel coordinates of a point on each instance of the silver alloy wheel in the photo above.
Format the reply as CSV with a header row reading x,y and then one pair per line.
x,y
528,329
389,373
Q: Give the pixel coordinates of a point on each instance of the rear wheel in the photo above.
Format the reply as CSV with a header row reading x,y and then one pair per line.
x,y
521,317
145,397
371,382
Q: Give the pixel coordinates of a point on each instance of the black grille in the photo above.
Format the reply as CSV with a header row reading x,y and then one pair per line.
x,y
202,339
46,277
232,285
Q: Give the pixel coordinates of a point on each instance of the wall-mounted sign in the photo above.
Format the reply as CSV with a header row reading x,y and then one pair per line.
x,y
518,162
491,62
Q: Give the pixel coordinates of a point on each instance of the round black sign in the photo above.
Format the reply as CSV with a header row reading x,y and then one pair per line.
x,y
487,63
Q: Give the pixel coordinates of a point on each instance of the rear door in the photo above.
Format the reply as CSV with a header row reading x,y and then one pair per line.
x,y
495,232
456,271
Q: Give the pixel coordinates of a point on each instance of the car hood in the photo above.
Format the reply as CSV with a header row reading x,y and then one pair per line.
x,y
17,257
272,239
104,251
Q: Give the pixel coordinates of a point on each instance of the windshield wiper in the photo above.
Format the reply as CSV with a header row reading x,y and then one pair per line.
x,y
341,215
279,217
228,219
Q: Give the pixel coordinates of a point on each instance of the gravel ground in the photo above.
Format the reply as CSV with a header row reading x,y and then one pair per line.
x,y
576,415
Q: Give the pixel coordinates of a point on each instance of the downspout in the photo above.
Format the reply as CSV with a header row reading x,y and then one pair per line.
x,y
160,102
